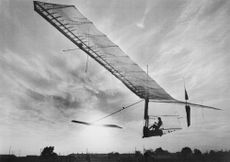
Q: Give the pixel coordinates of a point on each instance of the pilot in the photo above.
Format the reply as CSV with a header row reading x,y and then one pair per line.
x,y
156,126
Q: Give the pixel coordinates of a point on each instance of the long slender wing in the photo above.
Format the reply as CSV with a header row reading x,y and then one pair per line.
x,y
81,31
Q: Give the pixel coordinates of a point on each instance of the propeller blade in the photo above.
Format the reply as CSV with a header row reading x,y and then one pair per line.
x,y
188,114
94,124
187,108
186,94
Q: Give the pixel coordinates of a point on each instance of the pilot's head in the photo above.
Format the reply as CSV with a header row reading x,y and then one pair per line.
x,y
159,118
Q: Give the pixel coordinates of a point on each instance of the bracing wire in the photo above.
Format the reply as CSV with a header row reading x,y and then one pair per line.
x,y
87,56
69,50
115,112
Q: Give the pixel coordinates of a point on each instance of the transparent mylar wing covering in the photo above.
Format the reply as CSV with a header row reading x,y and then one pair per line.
x,y
82,32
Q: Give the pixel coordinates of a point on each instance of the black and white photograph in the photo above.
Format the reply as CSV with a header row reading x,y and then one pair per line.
x,y
115,81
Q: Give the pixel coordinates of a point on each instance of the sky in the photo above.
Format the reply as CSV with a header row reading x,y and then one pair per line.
x,y
43,88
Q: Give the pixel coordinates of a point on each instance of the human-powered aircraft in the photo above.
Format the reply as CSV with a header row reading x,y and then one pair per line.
x,y
82,32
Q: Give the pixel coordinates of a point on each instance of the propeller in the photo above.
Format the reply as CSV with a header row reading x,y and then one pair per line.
x,y
94,124
187,108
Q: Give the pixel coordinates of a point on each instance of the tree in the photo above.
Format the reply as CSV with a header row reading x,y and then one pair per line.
x,y
160,151
48,152
197,155
113,155
138,153
186,152
87,158
197,152
138,156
